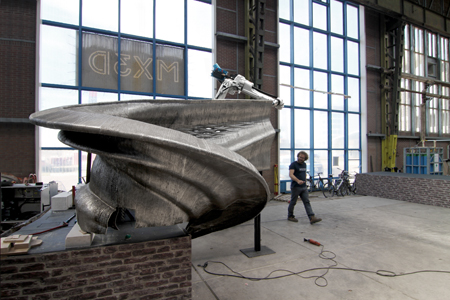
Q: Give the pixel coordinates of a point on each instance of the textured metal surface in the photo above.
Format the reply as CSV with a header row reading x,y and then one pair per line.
x,y
170,161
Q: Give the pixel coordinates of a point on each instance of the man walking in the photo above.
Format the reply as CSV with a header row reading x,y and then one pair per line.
x,y
297,172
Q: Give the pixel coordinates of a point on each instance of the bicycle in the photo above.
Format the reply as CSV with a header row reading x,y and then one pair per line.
x,y
318,185
340,186
346,186
333,185
352,184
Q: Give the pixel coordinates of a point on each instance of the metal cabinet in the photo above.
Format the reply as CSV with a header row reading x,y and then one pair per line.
x,y
423,160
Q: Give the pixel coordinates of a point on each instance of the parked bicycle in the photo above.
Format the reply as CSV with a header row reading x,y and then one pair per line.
x,y
352,180
320,184
340,186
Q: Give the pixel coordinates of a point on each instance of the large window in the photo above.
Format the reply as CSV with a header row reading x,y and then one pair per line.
x,y
320,85
112,50
426,68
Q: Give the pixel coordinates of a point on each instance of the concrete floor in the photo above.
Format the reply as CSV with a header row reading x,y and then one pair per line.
x,y
365,233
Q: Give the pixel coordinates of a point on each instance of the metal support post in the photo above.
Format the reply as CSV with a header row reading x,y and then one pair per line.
x,y
257,250
258,233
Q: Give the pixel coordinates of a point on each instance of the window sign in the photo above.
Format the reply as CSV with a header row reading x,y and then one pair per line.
x,y
100,65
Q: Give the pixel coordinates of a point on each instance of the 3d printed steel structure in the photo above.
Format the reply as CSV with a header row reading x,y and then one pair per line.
x,y
170,161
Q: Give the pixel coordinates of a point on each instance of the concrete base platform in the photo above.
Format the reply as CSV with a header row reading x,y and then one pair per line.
x,y
251,252
77,238
364,233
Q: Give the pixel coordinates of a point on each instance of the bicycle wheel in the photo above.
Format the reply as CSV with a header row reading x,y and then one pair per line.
x,y
326,189
331,190
344,189
309,185
353,188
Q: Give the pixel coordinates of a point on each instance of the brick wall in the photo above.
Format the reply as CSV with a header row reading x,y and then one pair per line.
x,y
148,270
431,190
17,85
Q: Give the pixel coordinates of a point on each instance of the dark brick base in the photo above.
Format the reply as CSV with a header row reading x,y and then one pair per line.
x,y
149,270
424,189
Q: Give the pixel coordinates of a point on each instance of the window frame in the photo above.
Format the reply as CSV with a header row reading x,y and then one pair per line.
x,y
79,88
293,106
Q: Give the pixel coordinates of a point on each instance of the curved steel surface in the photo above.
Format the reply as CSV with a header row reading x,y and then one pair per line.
x,y
171,161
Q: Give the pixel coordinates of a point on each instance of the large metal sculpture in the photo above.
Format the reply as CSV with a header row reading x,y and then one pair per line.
x,y
170,161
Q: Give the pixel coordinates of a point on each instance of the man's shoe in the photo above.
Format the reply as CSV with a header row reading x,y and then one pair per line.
x,y
313,220
292,219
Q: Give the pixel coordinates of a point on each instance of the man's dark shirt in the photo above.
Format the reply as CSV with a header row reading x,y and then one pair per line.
x,y
299,172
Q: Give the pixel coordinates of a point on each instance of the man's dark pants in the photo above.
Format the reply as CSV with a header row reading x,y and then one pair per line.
x,y
301,192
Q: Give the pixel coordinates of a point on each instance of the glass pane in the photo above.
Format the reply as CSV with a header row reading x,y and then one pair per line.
x,y
301,79
285,125
285,78
352,22
96,97
406,83
353,131
320,163
67,11
419,67
320,50
60,166
199,24
337,162
301,46
418,40
337,130
58,55
301,11
406,62
320,129
432,45
417,118
101,14
99,61
445,103
354,163
302,128
417,86
319,16
407,40
444,49
126,97
200,81
445,71
51,98
352,52
285,161
137,17
169,23
353,92
405,118
337,86
136,68
320,84
285,43
337,54
336,17
170,70
284,9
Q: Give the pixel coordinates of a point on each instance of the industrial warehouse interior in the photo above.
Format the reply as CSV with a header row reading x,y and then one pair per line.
x,y
149,149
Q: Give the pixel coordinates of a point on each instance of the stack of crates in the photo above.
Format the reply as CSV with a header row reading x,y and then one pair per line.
x,y
423,160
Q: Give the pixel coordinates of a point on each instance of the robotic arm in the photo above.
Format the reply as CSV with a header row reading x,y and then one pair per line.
x,y
238,84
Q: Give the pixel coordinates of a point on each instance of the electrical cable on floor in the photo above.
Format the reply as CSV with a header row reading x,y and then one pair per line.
x,y
318,278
